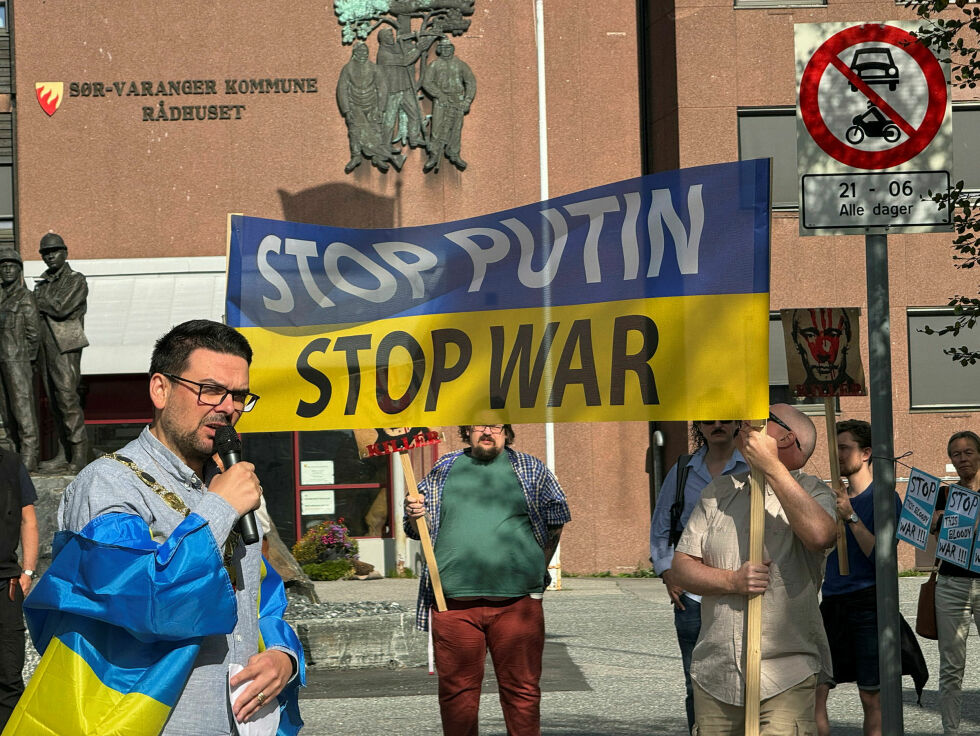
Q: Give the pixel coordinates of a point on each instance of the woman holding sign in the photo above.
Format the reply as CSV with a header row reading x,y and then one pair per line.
x,y
957,588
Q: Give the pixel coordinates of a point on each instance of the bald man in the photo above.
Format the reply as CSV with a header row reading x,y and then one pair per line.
x,y
710,560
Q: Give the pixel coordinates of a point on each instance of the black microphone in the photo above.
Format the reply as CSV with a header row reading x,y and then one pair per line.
x,y
229,448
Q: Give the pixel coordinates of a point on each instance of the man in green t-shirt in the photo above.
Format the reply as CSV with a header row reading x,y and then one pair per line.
x,y
495,516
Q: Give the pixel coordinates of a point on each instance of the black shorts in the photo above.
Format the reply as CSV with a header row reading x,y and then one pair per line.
x,y
851,623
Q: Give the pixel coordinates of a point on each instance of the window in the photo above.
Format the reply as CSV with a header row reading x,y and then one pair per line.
x,y
765,132
779,3
3,15
966,152
335,483
936,383
771,133
272,455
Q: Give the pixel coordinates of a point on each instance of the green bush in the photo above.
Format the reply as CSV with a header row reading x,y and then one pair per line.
x,y
329,570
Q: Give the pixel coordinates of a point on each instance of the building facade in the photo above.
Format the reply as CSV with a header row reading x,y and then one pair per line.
x,y
171,116
731,81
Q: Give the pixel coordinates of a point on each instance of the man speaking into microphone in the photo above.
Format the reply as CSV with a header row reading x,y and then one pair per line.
x,y
177,620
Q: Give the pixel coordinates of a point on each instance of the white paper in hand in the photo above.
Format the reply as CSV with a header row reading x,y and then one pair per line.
x,y
265,722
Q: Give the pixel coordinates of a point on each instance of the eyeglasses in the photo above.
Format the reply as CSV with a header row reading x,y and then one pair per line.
x,y
211,394
781,423
488,428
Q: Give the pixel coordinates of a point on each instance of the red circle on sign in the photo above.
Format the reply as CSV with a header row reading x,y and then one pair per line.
x,y
838,149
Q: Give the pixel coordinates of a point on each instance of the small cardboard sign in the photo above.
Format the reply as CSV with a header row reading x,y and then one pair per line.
x,y
389,440
975,562
823,353
918,509
956,537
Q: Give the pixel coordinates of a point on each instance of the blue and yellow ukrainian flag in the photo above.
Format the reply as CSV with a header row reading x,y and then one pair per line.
x,y
640,300
273,632
111,664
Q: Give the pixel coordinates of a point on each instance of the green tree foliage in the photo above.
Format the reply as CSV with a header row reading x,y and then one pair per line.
x,y
356,16
952,30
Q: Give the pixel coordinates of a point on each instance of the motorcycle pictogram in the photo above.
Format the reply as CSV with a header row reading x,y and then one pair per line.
x,y
872,123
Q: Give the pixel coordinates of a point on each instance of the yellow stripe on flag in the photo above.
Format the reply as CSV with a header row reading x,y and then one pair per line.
x,y
701,357
64,696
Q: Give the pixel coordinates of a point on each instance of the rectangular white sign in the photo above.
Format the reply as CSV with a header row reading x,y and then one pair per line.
x,y
873,129
315,503
316,473
857,201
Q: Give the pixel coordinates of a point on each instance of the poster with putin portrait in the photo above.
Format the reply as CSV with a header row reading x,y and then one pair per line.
x,y
823,351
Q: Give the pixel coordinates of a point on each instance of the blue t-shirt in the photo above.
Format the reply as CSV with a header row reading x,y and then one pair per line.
x,y
862,567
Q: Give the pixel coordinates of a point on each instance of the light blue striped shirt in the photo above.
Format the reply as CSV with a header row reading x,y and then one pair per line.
x,y
698,477
107,486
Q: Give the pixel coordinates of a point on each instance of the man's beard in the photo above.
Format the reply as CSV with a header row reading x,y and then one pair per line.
x,y
480,452
188,444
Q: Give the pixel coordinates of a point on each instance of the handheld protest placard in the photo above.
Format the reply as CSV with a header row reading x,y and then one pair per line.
x,y
398,441
823,360
823,357
753,626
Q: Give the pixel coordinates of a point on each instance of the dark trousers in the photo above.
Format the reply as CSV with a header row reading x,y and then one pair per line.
x,y
11,649
513,631
688,625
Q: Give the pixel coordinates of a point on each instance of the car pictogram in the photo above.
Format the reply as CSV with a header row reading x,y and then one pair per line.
x,y
875,66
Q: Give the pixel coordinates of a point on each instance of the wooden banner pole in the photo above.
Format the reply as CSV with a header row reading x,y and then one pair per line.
x,y
412,493
830,413
753,629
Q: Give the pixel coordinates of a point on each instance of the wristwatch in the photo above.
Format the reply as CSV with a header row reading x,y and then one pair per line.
x,y
853,518
31,573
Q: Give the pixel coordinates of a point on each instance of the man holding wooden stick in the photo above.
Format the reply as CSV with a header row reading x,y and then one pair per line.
x,y
495,517
681,489
849,606
710,560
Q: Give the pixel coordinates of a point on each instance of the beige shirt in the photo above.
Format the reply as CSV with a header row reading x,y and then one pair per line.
x,y
794,645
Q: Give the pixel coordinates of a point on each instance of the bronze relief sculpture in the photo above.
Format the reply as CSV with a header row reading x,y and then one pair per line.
x,y
385,102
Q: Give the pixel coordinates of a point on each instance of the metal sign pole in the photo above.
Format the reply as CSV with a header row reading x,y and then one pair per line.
x,y
882,441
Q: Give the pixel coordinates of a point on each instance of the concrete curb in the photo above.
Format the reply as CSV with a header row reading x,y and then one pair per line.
x,y
386,640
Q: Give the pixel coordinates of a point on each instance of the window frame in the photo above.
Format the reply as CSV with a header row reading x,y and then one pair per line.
x,y
753,4
789,112
942,313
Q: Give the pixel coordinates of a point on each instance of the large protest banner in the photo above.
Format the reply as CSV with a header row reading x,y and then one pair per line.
x,y
645,299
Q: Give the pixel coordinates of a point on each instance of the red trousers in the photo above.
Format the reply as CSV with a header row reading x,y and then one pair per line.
x,y
513,631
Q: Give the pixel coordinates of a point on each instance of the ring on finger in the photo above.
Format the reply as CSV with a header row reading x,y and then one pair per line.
x,y
261,698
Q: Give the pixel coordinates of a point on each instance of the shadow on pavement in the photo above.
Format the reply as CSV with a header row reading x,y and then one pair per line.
x,y
609,725
559,674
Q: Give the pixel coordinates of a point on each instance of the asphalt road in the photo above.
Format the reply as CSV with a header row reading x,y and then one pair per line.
x,y
612,668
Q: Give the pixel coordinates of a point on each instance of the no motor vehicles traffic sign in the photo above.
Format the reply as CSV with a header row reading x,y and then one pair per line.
x,y
873,129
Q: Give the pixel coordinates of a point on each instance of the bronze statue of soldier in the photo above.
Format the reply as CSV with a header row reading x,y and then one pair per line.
x,y
61,294
450,83
19,342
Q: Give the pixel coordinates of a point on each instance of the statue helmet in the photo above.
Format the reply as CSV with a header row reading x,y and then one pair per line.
x,y
52,241
8,253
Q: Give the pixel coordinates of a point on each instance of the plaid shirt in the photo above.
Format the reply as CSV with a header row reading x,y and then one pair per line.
x,y
546,507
